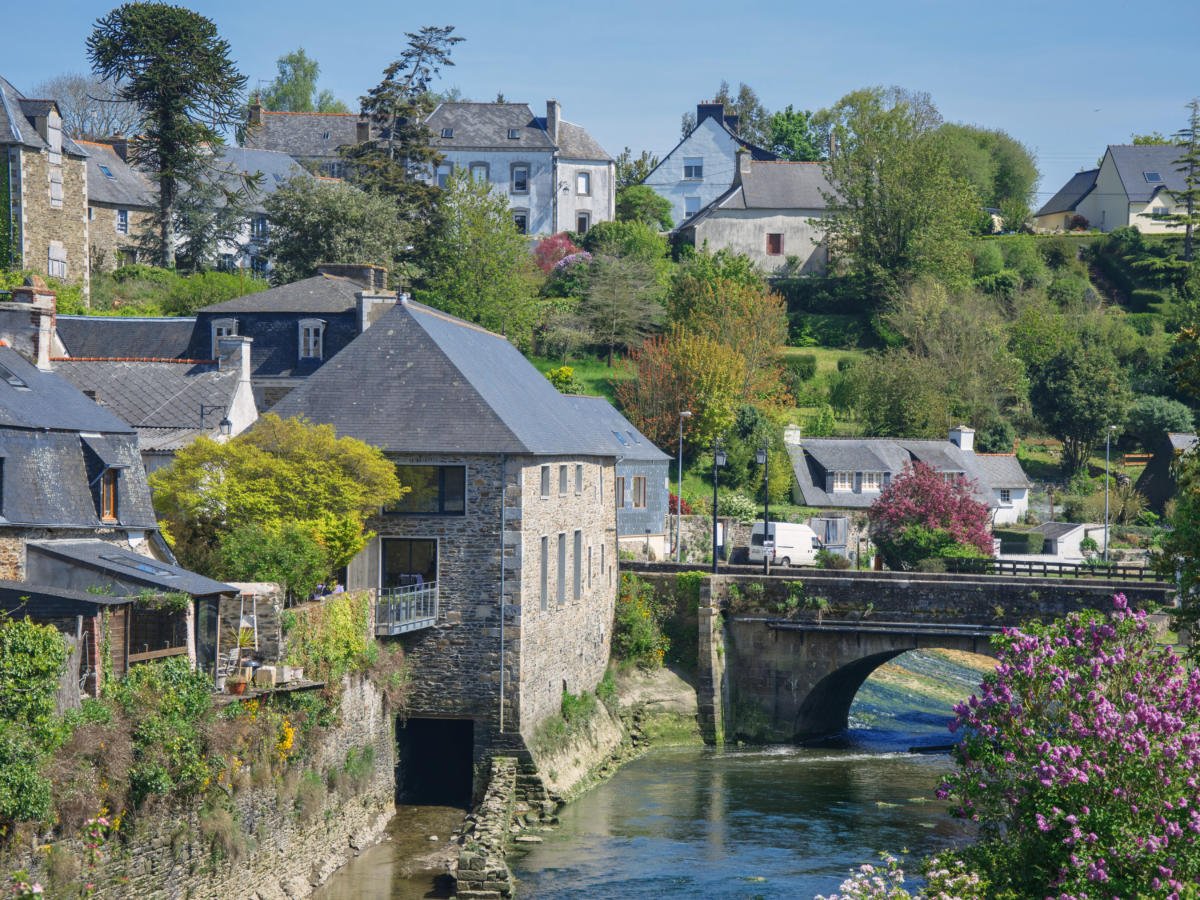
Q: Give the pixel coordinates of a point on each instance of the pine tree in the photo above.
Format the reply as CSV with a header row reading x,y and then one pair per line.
x,y
1188,164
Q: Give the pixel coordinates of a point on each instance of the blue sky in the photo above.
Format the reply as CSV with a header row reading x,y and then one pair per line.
x,y
1065,78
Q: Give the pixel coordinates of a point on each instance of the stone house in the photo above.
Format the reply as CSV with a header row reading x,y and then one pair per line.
x,y
643,490
555,175
497,571
43,191
771,214
120,204
703,165
1134,185
76,517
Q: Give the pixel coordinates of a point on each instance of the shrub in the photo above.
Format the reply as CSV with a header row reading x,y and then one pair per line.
x,y
551,250
637,633
330,638
1151,418
829,560
1022,256
803,366
997,436
564,380
1078,223
1059,252
737,506
846,363
1067,290
202,289
1002,284
1020,541
988,259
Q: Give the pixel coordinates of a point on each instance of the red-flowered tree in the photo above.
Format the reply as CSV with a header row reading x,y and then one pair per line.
x,y
552,250
923,514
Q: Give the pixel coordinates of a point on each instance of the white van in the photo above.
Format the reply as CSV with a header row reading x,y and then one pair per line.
x,y
791,545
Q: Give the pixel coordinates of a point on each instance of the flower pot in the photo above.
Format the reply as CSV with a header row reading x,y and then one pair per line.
x,y
236,687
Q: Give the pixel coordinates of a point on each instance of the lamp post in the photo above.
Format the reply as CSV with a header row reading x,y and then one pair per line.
x,y
683,414
763,458
719,460
225,426
1107,446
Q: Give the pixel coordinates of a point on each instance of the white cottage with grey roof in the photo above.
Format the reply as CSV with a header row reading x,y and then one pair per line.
x,y
555,175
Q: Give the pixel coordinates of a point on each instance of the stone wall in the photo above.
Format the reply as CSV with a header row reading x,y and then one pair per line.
x,y
167,856
42,223
264,600
483,872
108,246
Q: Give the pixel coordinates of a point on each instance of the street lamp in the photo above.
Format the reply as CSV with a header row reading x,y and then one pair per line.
x,y
719,460
683,414
1107,445
763,457
225,426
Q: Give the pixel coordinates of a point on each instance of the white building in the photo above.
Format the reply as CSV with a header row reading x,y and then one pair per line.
x,y
554,174
702,166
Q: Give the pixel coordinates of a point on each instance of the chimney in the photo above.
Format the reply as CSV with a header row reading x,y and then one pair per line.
x,y
372,277
120,145
372,305
256,111
832,145
743,164
553,114
733,121
710,111
963,438
233,351
43,303
362,130
791,435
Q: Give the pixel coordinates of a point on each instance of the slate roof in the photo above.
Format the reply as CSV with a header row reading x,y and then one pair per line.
x,y
486,125
1056,530
47,401
813,458
12,593
422,381
318,294
125,336
1070,194
127,566
1181,442
123,186
1133,161
615,430
771,184
15,127
154,394
574,142
275,169
1001,470
303,135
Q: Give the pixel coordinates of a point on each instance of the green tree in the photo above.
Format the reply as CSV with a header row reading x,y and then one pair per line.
x,y
287,553
1078,394
793,134
479,266
295,87
899,394
1180,556
1154,137
1000,168
622,303
898,210
633,170
1188,164
209,214
639,203
280,471
175,68
1152,418
314,221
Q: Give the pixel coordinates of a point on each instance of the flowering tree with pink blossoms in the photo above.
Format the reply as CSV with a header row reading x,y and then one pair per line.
x,y
1080,761
553,249
922,514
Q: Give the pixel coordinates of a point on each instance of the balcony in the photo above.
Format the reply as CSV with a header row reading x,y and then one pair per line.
x,y
400,610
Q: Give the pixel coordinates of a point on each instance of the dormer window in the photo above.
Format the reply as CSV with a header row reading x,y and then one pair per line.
x,y
843,481
222,328
1153,177
872,482
447,132
514,134
108,495
312,338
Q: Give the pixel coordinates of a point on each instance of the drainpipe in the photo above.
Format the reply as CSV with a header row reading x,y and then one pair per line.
x,y
503,500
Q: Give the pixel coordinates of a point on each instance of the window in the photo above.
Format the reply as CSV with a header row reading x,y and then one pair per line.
x,y
1160,211
108,495
312,338
479,171
577,561
227,262
639,491
521,221
620,492
545,572
583,183
578,478
258,265
443,174
1006,496
107,172
222,328
602,569
14,380
560,586
514,134
56,260
589,566
520,179
91,214
408,562
843,481
259,228
433,491
583,221
562,479
693,168
447,132
56,187
1153,177
601,484
691,206
951,477
545,481
774,244
324,135
122,221
872,481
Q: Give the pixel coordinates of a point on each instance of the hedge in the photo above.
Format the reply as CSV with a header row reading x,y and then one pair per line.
x,y
1014,540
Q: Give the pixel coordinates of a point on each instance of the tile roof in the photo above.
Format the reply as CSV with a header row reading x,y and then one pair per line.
x,y
15,127
318,294
486,126
127,566
122,185
303,135
1070,194
125,336
615,430
419,380
1133,161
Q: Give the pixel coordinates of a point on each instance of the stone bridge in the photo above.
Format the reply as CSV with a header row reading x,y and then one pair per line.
x,y
781,657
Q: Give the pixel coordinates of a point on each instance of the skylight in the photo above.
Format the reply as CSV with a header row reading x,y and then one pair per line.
x,y
447,132
1152,177
12,379
514,133
138,565
620,437
107,171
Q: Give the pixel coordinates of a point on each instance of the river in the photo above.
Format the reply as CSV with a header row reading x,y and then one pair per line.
x,y
735,823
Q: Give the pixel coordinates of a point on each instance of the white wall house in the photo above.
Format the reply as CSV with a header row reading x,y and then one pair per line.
x,y
702,166
554,174
1132,186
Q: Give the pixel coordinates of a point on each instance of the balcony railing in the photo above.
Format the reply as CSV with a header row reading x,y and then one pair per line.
x,y
403,609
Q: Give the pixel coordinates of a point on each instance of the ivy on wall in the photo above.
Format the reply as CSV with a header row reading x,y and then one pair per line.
x,y
6,229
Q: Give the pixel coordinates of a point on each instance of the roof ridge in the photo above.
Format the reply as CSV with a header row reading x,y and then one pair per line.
x,y
159,359
293,112
447,317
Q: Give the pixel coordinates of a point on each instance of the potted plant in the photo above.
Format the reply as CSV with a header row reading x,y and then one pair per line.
x,y
235,684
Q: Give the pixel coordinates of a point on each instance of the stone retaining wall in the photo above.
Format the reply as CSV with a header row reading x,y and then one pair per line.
x,y
483,861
